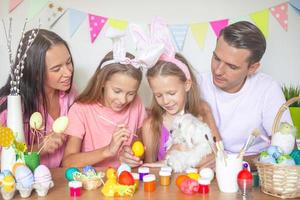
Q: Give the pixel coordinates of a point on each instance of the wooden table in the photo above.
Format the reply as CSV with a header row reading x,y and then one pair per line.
x,y
171,192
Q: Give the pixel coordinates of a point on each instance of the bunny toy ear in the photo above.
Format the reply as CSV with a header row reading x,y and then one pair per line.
x,y
117,37
160,34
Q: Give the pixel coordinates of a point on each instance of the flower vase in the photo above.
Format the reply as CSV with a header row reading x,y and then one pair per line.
x,y
15,123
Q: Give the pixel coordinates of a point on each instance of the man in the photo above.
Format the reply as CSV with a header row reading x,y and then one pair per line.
x,y
241,98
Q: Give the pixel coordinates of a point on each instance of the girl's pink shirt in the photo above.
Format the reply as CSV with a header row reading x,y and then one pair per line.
x,y
54,159
86,122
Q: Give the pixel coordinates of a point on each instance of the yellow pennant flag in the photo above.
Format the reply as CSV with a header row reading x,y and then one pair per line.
x,y
118,24
199,31
261,19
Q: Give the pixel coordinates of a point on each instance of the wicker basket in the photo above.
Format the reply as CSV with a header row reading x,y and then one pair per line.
x,y
279,180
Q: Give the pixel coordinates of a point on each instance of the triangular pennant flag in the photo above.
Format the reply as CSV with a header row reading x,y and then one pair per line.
x,y
239,18
280,12
96,24
296,5
261,19
118,24
35,6
76,17
13,4
179,33
51,14
218,25
199,31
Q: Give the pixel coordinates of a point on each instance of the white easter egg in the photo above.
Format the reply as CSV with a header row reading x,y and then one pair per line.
x,y
36,121
60,124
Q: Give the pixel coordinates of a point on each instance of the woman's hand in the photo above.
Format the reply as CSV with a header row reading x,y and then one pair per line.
x,y
52,142
121,134
126,156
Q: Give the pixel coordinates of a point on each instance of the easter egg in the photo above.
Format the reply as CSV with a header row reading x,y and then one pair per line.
x,y
36,121
274,151
126,178
60,124
285,160
189,186
8,183
207,173
69,173
123,167
180,179
15,166
296,156
6,137
138,148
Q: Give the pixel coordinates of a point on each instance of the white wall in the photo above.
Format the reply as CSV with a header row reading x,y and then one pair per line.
x,y
280,60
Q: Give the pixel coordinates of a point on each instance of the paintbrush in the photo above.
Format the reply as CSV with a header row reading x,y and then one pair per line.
x,y
211,145
249,142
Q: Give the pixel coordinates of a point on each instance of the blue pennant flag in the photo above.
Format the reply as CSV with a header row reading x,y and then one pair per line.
x,y
179,34
76,18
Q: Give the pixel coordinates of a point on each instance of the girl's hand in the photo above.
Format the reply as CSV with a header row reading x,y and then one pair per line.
x,y
121,134
126,156
53,142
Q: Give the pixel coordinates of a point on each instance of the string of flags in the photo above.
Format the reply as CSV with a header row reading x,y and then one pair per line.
x,y
51,12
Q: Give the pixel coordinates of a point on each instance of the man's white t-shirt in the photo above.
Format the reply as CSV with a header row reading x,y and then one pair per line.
x,y
238,114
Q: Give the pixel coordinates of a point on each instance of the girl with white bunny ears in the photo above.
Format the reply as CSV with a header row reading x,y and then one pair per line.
x,y
108,114
175,91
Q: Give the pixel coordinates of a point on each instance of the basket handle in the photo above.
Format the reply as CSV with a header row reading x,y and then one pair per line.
x,y
283,108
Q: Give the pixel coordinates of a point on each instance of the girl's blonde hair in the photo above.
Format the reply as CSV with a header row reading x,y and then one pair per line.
x,y
193,104
93,93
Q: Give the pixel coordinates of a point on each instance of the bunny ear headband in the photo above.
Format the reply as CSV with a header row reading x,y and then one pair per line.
x,y
146,58
159,38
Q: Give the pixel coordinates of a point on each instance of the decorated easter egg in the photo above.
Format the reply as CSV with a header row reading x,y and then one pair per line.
x,y
123,167
15,166
189,186
6,137
138,148
24,176
126,178
36,121
274,151
8,183
89,171
207,173
180,179
264,157
42,175
296,156
60,124
285,160
69,173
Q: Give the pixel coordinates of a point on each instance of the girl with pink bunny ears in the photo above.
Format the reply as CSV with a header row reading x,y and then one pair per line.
x,y
108,114
175,92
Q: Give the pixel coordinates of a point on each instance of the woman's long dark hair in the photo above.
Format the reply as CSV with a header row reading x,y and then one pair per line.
x,y
32,83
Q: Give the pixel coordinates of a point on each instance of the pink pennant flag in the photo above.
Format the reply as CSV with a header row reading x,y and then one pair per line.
x,y
96,25
13,4
218,25
280,12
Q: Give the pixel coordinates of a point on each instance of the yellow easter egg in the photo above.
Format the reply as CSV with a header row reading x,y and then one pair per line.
x,y
138,148
36,121
194,176
60,124
8,183
6,137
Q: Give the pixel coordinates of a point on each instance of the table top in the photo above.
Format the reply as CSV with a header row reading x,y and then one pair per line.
x,y
61,190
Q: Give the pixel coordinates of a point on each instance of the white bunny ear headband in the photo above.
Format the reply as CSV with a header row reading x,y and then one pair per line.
x,y
158,42
145,59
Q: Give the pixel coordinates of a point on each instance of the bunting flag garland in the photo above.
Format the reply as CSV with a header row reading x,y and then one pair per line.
x,y
296,5
76,18
199,31
35,6
179,34
261,19
96,24
218,25
51,14
118,24
280,12
13,4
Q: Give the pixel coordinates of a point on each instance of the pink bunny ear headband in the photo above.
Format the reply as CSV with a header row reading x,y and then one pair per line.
x,y
158,42
145,59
